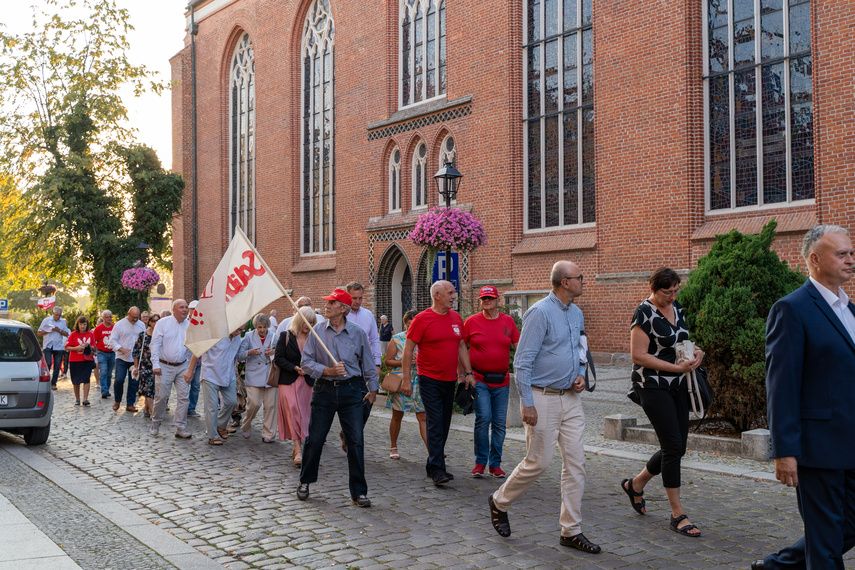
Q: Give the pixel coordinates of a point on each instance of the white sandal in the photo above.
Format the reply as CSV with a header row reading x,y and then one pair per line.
x,y
393,453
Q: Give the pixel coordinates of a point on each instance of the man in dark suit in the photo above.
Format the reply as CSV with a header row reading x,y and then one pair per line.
x,y
810,385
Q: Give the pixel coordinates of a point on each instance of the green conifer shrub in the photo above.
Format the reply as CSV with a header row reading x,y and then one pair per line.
x,y
727,300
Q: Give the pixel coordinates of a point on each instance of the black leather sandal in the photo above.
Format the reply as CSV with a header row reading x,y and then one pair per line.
x,y
684,530
626,485
499,519
580,542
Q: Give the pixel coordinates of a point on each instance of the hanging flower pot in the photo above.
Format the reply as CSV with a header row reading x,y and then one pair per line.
x,y
445,229
140,278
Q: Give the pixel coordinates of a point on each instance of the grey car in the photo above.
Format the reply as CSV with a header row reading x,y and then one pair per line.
x,y
26,400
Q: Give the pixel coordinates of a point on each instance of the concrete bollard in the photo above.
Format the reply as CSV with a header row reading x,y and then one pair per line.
x,y
514,418
756,444
615,426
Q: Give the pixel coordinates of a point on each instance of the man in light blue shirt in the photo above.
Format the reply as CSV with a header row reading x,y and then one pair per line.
x,y
550,379
54,329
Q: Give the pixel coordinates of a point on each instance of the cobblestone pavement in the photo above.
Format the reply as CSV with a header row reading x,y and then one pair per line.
x,y
236,503
88,538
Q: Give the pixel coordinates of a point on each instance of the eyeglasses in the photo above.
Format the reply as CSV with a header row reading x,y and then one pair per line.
x,y
671,292
580,277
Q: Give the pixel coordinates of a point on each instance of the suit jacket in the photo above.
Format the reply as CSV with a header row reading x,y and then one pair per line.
x,y
257,365
810,381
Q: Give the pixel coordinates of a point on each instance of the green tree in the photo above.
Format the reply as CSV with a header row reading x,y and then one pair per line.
x,y
726,300
84,196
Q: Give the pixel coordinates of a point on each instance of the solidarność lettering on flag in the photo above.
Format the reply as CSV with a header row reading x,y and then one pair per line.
x,y
241,286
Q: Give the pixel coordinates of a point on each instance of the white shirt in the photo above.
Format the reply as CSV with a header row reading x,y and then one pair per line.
x,y
167,342
54,340
839,303
125,336
283,326
273,323
365,319
218,363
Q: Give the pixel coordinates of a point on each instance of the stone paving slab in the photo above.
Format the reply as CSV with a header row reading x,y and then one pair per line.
x,y
236,503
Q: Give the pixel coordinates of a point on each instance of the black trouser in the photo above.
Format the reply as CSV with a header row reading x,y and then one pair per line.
x,y
668,411
438,400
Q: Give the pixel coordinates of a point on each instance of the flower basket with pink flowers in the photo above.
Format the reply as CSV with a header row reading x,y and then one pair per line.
x,y
445,229
140,278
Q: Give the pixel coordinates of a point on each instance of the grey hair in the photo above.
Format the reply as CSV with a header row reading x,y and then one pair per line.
x,y
384,317
436,285
815,234
106,313
261,319
57,310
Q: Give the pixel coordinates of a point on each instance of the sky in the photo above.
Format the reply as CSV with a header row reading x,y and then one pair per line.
x,y
158,35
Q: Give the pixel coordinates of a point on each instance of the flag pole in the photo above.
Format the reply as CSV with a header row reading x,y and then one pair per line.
x,y
285,293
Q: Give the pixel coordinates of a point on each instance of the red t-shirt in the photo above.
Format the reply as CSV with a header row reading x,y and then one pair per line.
x,y
74,340
438,337
490,344
102,333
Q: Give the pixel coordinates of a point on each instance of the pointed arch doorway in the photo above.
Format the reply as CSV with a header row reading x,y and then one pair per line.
x,y
394,286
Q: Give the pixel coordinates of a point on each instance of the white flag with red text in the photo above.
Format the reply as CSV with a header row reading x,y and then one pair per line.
x,y
241,286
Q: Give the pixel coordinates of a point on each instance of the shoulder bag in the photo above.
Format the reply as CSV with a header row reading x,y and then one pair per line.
x,y
392,383
700,392
273,373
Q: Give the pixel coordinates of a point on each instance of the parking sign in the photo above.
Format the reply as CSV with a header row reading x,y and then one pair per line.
x,y
4,304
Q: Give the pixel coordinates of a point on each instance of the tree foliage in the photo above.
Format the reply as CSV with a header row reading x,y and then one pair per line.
x,y
83,195
727,300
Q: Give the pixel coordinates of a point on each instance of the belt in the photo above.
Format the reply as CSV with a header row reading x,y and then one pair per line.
x,y
552,391
100,350
337,383
173,363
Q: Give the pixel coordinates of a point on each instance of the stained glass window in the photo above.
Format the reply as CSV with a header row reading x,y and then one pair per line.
x,y
318,183
395,181
559,113
242,152
759,124
420,176
423,66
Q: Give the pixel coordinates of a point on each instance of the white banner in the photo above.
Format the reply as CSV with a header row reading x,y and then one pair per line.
x,y
47,303
241,286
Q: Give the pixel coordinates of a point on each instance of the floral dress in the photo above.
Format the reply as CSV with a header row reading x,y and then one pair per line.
x,y
398,401
146,374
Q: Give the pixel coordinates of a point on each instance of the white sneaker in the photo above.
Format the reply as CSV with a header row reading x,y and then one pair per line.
x,y
155,429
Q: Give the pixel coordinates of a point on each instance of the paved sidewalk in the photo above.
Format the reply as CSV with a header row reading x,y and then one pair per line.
x,y
236,503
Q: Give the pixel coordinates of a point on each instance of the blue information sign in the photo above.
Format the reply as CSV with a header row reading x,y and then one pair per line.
x,y
439,269
4,304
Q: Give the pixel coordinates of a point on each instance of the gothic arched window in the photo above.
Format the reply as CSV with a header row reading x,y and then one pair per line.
x,y
242,140
423,68
420,176
395,181
318,184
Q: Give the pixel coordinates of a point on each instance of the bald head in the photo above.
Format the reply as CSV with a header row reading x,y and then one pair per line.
x,y
560,270
304,302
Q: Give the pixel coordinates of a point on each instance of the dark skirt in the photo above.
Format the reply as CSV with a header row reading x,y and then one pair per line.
x,y
81,371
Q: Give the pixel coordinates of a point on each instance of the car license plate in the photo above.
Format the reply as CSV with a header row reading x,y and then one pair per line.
x,y
4,400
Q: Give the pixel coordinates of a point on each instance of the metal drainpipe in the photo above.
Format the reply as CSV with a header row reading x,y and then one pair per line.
x,y
194,29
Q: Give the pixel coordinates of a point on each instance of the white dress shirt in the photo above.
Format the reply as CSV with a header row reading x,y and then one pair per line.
x,y
218,363
167,342
125,335
839,304
365,319
54,340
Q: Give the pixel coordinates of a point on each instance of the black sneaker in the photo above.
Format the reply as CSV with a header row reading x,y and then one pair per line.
x,y
440,477
303,492
362,501
449,475
105,396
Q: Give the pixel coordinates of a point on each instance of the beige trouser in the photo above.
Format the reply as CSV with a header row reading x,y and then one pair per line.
x,y
256,397
171,376
560,420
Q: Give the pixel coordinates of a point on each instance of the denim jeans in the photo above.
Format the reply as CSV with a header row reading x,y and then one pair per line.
x,y
327,401
54,362
106,362
438,400
123,370
491,411
195,386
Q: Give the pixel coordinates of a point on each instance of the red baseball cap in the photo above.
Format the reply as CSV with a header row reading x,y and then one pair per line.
x,y
341,296
488,291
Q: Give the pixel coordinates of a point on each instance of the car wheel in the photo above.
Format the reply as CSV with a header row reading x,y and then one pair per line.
x,y
37,436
